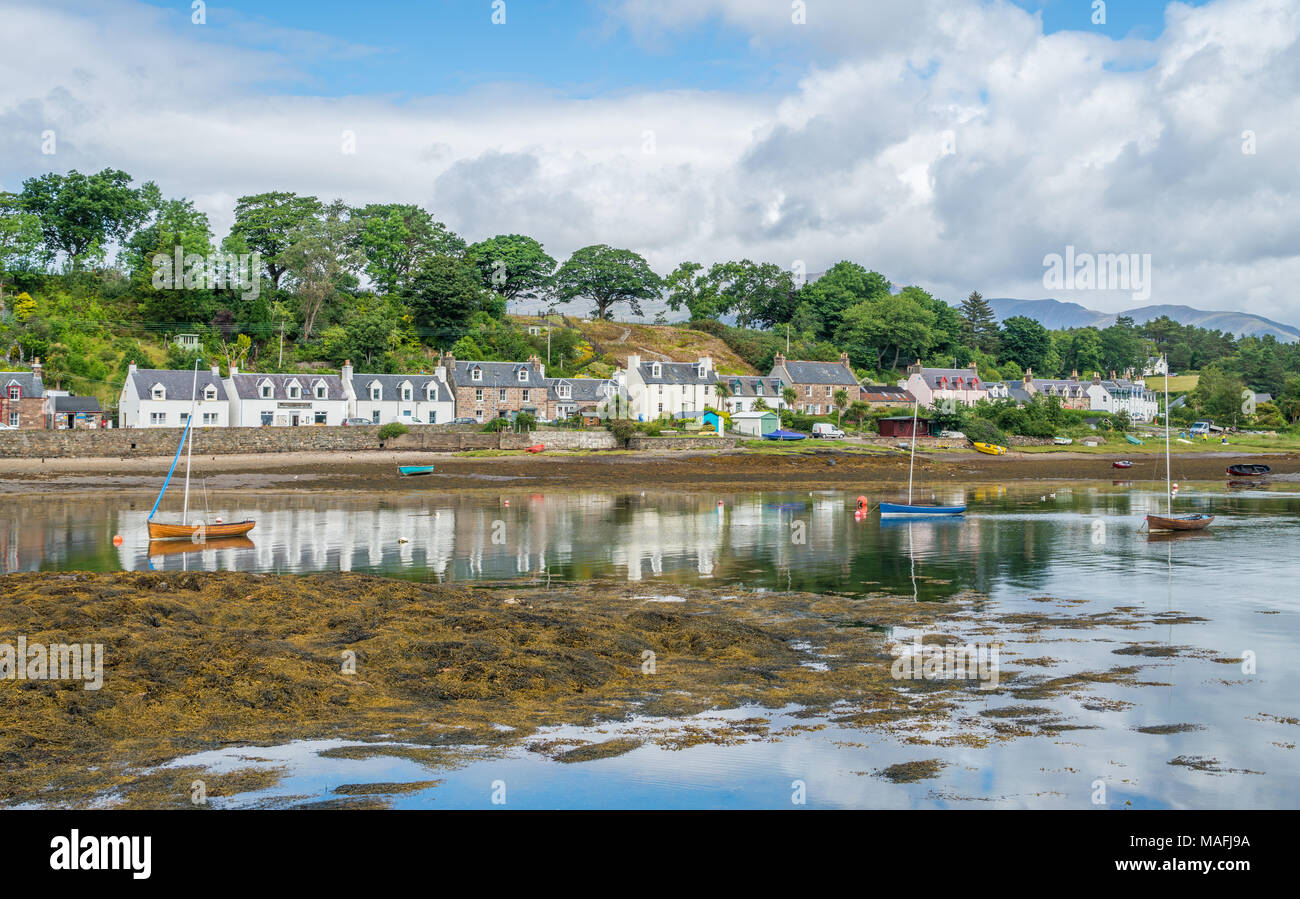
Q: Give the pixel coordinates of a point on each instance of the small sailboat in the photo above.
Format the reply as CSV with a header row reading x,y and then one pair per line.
x,y
198,531
910,508
1169,522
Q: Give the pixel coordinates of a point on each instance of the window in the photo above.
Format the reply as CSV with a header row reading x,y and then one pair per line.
x,y
830,391
501,395
476,374
807,391
478,413
320,417
210,392
707,391
478,395
704,372
13,419
15,392
565,391
523,376
526,394
158,392
267,418
185,418
406,392
294,391
433,417
406,413
209,419
321,392
758,388
656,371
432,393
374,416
265,390
158,419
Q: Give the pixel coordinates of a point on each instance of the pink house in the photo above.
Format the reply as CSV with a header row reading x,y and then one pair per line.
x,y
931,386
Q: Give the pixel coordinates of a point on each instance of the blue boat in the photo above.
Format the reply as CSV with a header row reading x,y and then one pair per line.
x,y
910,509
779,434
412,470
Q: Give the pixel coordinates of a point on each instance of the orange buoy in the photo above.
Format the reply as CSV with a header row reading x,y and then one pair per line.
x,y
862,503
117,539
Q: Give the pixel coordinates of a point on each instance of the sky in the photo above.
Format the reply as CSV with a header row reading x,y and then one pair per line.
x,y
952,144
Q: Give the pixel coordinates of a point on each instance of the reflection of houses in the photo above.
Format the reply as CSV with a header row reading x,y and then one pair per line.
x,y
931,386
656,388
163,398
258,400
410,399
816,383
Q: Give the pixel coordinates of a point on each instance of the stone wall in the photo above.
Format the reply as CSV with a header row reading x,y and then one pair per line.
x,y
672,443
126,442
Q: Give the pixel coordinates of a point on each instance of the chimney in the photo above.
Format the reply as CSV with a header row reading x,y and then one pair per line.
x,y
234,370
1096,377
345,374
216,371
1029,377
36,367
633,363
706,363
778,359
537,365
974,367
1074,374
1112,374
914,368
130,369
844,360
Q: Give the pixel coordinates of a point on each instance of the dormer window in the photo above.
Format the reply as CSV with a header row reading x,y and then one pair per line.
x,y
294,390
476,374
376,392
407,393
704,372
432,393
265,390
656,371
159,392
758,388
321,390
565,391
523,375
15,392
210,392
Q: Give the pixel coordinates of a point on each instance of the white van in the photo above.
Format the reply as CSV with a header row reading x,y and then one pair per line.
x,y
827,430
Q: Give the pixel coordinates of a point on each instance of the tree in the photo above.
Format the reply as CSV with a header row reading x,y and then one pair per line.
x,y
1026,342
365,335
442,293
1218,394
269,224
842,285
724,393
20,237
789,394
607,276
761,294
395,237
79,214
689,285
841,399
513,265
174,223
320,260
979,326
899,325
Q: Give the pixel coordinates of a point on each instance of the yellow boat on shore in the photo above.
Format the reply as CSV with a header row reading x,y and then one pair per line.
x,y
991,449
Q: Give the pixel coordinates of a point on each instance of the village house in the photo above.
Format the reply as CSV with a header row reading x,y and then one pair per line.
x,y
23,402
884,395
1009,390
1122,395
67,413
747,390
419,399
1156,365
1070,391
276,400
163,398
816,383
587,397
486,390
656,388
932,386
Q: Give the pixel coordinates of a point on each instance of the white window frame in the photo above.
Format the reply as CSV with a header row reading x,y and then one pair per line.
x,y
476,374
158,392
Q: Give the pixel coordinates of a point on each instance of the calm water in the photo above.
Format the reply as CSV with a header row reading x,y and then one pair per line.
x,y
1077,542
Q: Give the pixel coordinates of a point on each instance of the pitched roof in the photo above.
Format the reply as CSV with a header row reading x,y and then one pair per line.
x,y
675,373
29,382
497,374
747,385
247,385
886,393
582,390
1059,386
817,373
177,384
390,386
76,404
932,376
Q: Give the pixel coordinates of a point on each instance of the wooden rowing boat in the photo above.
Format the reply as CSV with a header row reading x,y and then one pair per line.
x,y
161,531
1248,471
1183,523
411,471
1122,463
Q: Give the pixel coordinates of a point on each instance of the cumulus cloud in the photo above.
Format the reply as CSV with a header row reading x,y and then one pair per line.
x,y
949,144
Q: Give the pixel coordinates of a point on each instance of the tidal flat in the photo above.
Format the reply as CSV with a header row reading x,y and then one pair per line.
x,y
444,675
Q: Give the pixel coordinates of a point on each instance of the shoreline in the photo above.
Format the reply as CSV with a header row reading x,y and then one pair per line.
x,y
693,470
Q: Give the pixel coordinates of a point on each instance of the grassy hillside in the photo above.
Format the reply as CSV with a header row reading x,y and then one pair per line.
x,y
667,343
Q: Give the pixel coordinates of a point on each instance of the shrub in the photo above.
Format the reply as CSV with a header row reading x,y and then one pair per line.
x,y
981,430
391,430
622,429
497,424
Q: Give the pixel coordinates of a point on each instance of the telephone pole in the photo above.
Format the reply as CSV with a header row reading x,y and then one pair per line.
x,y
280,364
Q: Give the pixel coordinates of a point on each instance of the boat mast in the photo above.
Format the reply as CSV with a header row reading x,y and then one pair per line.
x,y
189,453
912,461
1169,490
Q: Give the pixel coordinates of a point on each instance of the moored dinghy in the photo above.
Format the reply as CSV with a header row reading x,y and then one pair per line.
x,y
410,471
1248,471
1168,522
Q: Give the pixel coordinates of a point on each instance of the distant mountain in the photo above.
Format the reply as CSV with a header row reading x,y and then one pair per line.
x,y
1054,314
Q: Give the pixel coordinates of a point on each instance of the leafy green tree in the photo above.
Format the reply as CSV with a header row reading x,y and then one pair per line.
x,y
1084,352
441,294
395,237
979,326
760,294
842,285
690,285
513,265
79,214
1218,394
20,237
841,399
887,327
607,276
270,223
173,223
321,260
1026,342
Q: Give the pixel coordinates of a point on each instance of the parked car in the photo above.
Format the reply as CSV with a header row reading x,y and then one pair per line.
x,y
357,421
826,430
1201,427
464,421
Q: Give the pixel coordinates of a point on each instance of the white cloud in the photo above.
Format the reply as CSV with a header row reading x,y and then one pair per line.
x,y
1053,146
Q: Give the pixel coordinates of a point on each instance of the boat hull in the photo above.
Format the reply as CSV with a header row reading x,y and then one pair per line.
x,y
990,449
1133,440
1185,523
171,547
926,511
161,531
411,471
1248,471
1122,464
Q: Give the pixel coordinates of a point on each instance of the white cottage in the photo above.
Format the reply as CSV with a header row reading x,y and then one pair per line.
x,y
276,400
163,398
421,399
657,389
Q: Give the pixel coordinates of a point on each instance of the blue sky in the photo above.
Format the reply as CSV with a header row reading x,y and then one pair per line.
x,y
576,48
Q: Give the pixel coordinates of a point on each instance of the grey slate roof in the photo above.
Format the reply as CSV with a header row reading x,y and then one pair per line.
x,y
817,373
497,374
584,390
246,385
177,383
886,393
676,373
391,386
1060,387
30,384
67,404
747,385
